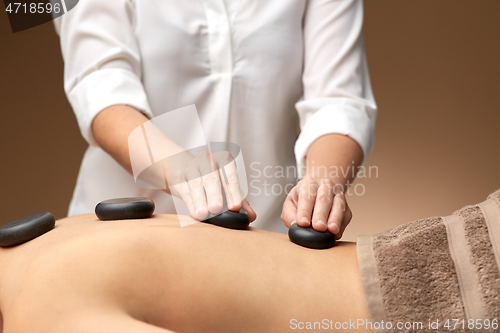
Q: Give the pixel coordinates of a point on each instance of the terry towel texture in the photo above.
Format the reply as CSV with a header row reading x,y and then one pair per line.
x,y
437,269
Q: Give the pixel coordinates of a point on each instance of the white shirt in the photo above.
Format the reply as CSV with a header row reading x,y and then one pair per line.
x,y
249,66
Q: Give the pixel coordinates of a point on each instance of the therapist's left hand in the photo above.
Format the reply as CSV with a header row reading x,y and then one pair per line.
x,y
320,202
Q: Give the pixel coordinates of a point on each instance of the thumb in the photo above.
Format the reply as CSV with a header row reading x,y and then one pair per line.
x,y
251,213
289,213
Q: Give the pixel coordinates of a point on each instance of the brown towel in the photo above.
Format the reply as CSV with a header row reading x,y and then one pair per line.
x,y
437,271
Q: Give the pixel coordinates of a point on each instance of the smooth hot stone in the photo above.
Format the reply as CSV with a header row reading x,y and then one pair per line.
x,y
229,220
308,237
26,228
125,209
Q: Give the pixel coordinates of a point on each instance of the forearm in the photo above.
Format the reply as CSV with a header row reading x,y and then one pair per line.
x,y
111,129
334,156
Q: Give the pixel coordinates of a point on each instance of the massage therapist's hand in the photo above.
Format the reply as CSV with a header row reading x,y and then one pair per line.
x,y
318,201
201,184
182,170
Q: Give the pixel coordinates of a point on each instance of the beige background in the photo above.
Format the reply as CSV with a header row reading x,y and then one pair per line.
x,y
435,71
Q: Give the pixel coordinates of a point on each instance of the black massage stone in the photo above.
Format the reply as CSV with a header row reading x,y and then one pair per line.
x,y
230,220
125,209
308,237
26,228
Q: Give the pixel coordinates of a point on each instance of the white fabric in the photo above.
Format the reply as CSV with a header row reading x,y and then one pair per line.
x,y
247,65
111,86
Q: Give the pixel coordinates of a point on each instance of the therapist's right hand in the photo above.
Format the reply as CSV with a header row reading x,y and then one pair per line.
x,y
207,181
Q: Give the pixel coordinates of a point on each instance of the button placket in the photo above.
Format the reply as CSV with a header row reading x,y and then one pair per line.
x,y
221,64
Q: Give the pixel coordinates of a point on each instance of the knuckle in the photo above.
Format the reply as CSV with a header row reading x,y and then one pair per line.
x,y
232,178
310,188
304,193
323,198
328,182
194,183
338,189
313,184
326,190
340,205
211,179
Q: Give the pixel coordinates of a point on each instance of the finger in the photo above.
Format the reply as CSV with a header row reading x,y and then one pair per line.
x,y
212,185
230,177
323,205
197,192
251,213
337,213
307,198
289,212
345,221
182,191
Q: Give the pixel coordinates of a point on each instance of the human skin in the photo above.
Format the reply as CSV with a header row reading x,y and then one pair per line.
x,y
314,200
319,199
153,276
111,129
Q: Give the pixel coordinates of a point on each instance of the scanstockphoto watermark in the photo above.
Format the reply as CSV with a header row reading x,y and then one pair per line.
x,y
430,325
278,180
359,324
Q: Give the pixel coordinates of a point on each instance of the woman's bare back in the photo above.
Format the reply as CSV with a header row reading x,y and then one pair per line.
x,y
151,275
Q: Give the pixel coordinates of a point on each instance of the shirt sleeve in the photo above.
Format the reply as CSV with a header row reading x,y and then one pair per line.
x,y
101,60
337,92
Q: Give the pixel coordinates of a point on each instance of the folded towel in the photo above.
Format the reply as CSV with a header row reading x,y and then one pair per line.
x,y
435,270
